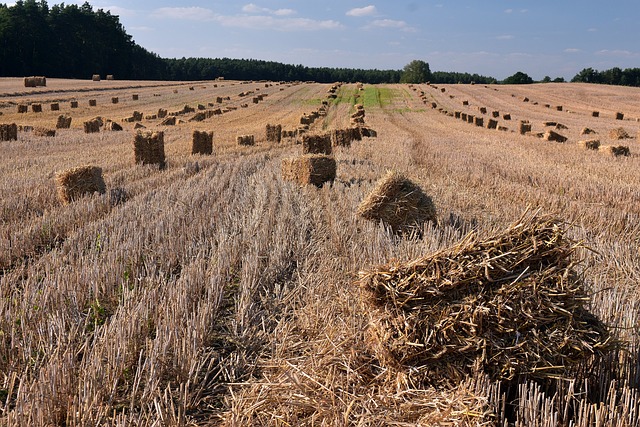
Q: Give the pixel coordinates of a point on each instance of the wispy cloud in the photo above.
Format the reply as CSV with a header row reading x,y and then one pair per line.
x,y
508,11
363,11
592,30
253,8
505,37
391,24
275,21
572,50
618,53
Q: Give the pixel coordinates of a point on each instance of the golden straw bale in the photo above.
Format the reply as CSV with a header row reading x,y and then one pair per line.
x,y
492,124
595,114
619,133
115,100
559,107
506,116
470,118
36,108
95,77
315,169
457,114
479,121
511,306
619,116
615,150
400,204
8,132
245,140
495,114
169,121
74,104
91,126
35,81
463,117
112,126
77,182
274,133
41,131
110,77
590,144
135,97
554,136
316,144
524,127
55,106
162,113
148,148
202,142
22,108
93,103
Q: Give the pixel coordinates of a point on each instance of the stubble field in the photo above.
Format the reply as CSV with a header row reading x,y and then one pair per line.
x,y
223,295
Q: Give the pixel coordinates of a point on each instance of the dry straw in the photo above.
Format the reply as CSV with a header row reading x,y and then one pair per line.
x,y
22,108
615,150
510,306
41,131
8,132
74,104
590,144
492,124
619,133
202,142
399,203
554,136
619,116
315,169
316,144
93,103
148,148
75,183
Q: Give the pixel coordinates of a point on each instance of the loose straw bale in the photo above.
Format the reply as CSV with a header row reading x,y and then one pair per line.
x,y
554,136
41,131
55,106
63,122
91,126
148,148
93,103
316,144
470,118
315,169
22,108
245,140
198,117
590,144
510,307
274,133
8,132
77,182
524,127
95,77
619,116
615,150
463,116
399,203
36,108
619,133
202,142
457,114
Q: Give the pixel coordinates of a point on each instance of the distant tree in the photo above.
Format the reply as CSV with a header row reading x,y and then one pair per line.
x,y
416,71
559,80
518,78
546,79
587,75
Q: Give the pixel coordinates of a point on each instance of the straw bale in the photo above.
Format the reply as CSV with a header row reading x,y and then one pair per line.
x,y
315,169
64,122
615,150
559,107
93,103
91,126
619,116
112,126
399,204
524,127
470,118
587,131
510,307
554,136
525,99
463,116
457,114
55,106
619,133
590,144
22,108
549,123
110,77
495,114
8,132
368,132
118,196
316,144
139,126
74,104
148,148
479,121
162,113
95,77
274,133
36,108
245,140
115,100
135,97
483,110
35,81
506,116
169,121
443,90
41,131
503,128
198,117
192,88
465,102
492,124
595,114
434,105
77,182
202,142
344,137
560,126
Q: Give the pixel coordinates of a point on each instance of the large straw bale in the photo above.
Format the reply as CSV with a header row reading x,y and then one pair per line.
x,y
169,121
313,169
162,113
91,126
115,100
550,135
8,132
148,148
135,97
246,140
619,116
110,77
506,116
615,150
587,131
510,307
595,114
492,124
590,144
344,137
35,81
202,142
55,106
36,108
524,128
479,121
112,126
95,77
93,103
274,133
399,203
495,114
22,108
619,133
316,144
77,182
74,104
42,131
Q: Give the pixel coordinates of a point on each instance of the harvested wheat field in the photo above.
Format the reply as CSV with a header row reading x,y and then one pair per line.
x,y
212,291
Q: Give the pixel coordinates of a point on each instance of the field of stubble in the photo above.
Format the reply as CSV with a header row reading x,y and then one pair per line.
x,y
226,296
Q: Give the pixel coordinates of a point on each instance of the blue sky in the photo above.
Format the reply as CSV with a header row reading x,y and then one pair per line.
x,y
493,37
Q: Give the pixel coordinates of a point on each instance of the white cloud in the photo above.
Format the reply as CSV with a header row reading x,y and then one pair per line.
x,y
363,11
391,24
505,37
253,8
592,30
508,11
617,52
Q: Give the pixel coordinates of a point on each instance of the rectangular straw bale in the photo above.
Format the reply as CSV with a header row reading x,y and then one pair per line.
x,y
463,117
470,118
615,150
135,97
313,169
316,144
246,140
619,116
162,113
479,121
495,114
74,104
595,114
22,108
77,182
8,132
41,131
91,126
55,106
35,81
148,148
550,135
93,103
115,100
36,108
274,133
524,128
110,77
202,142
492,124
590,144
95,77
